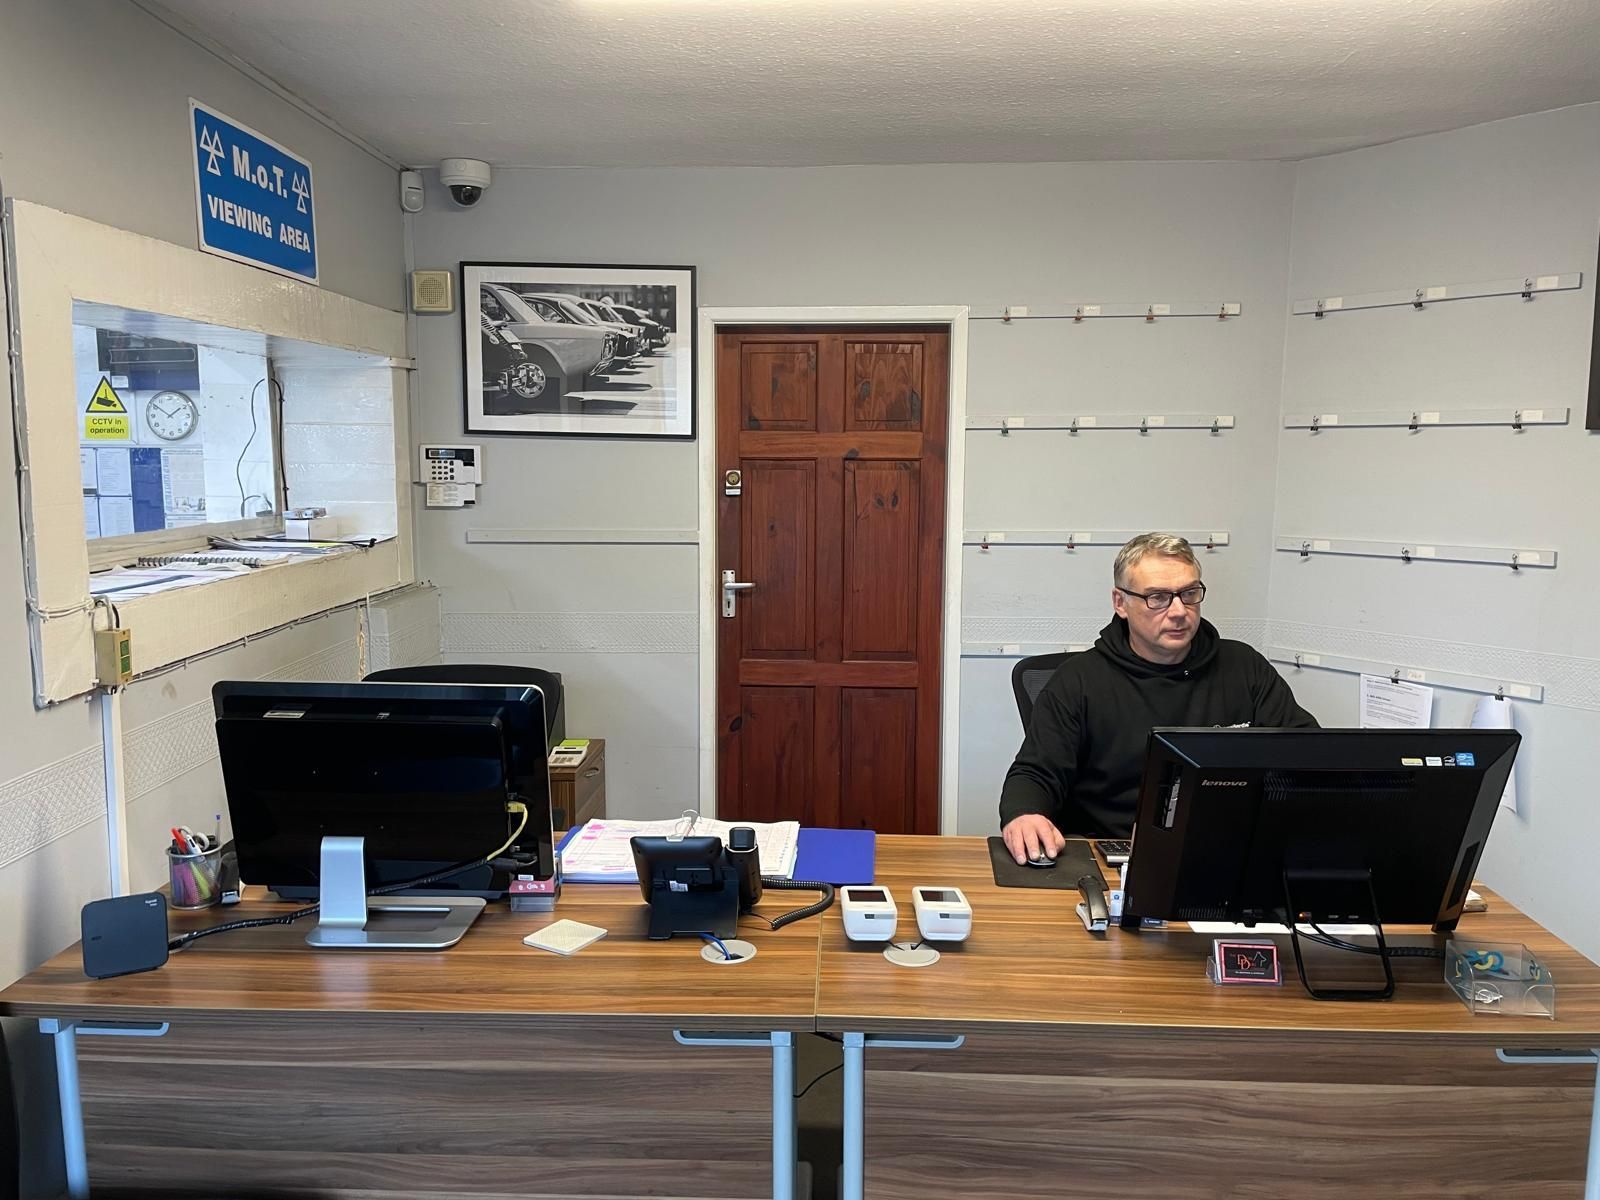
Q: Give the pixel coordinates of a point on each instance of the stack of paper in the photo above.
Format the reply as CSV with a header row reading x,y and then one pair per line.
x,y
131,583
281,548
599,852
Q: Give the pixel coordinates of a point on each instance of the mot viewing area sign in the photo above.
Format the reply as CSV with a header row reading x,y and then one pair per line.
x,y
254,197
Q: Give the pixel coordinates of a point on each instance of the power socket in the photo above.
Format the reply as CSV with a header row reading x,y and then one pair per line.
x,y
113,657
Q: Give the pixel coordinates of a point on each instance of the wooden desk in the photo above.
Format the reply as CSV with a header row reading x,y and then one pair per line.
x,y
1109,1066
1087,1066
488,1069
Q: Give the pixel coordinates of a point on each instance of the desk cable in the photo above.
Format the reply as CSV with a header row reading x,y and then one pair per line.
x,y
289,918
800,1095
727,954
797,914
1324,938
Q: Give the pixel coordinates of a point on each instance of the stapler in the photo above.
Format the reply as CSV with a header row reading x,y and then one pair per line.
x,y
1092,910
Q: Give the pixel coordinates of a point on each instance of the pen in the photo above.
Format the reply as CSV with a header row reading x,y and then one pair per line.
x,y
182,881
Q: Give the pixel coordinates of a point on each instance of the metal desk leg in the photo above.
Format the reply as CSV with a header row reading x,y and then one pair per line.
x,y
785,1154
73,1150
784,1163
1591,1183
853,1168
65,1035
1591,1179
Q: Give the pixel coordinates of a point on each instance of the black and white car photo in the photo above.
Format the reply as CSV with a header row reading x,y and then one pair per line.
x,y
564,350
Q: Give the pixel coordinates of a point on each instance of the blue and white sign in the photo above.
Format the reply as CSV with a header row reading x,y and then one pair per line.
x,y
254,197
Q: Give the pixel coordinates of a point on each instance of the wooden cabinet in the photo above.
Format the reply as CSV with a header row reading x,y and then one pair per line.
x,y
578,792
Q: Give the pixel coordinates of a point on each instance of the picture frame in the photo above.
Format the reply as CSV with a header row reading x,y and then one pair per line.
x,y
578,350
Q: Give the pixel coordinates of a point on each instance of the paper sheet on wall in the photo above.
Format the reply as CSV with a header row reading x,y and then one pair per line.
x,y
1389,705
1493,713
116,514
183,482
114,473
600,851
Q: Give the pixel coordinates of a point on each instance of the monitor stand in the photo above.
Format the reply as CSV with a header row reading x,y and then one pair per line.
x,y
1349,893
404,922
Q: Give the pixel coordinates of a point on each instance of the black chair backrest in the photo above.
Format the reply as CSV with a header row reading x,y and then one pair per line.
x,y
547,682
1030,675
466,673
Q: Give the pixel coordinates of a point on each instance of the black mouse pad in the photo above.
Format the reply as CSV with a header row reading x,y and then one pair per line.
x,y
1075,861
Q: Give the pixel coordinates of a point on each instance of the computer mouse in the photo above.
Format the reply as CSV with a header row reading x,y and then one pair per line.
x,y
1043,861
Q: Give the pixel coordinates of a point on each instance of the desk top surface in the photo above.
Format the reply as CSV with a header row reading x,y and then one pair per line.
x,y
1031,964
622,978
1028,965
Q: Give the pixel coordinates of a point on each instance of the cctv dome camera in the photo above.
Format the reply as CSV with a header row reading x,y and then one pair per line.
x,y
467,179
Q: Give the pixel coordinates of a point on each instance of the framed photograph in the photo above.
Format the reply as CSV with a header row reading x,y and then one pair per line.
x,y
563,350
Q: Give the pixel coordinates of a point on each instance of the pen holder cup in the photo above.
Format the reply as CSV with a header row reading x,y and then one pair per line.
x,y
1503,978
194,878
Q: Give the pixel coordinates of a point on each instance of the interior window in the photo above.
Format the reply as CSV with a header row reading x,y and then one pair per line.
x,y
172,433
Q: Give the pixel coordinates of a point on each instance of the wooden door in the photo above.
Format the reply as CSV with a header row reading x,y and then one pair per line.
x,y
828,673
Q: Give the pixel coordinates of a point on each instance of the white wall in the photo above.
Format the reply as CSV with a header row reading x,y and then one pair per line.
x,y
105,136
93,121
1492,202
1484,203
620,621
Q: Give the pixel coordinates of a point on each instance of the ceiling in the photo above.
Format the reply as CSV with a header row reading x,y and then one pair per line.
x,y
797,82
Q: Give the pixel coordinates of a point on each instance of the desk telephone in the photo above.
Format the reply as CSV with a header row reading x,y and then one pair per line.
x,y
695,885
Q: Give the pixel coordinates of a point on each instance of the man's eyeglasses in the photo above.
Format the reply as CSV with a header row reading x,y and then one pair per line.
x,y
1161,601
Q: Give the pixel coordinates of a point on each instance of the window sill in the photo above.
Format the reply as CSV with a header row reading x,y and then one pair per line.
x,y
171,626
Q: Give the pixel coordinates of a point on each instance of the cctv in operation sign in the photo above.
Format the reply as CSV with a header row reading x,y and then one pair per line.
x,y
254,197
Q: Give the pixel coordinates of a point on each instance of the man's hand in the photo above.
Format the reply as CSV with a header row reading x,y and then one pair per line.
x,y
1026,836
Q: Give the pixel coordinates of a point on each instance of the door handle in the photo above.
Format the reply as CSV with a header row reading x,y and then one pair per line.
x,y
731,588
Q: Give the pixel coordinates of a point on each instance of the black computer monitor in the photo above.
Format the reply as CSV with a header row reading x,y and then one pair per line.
x,y
422,772
1327,826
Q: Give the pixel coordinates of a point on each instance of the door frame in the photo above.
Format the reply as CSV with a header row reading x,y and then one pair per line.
x,y
954,318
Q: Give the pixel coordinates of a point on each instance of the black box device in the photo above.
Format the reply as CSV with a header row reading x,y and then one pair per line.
x,y
124,934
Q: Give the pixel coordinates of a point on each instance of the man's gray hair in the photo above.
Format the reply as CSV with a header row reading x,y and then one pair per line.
x,y
1167,545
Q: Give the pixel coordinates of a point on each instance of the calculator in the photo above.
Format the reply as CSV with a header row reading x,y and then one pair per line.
x,y
1115,851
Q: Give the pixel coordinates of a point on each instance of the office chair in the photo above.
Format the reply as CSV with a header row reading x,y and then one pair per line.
x,y
548,682
1030,675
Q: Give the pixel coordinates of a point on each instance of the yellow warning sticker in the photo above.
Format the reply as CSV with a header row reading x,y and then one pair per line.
x,y
105,399
106,418
109,427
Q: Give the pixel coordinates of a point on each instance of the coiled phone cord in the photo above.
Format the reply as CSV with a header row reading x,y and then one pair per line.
x,y
799,885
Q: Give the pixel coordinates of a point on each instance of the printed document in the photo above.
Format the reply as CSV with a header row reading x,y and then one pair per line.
x,y
1389,705
600,851
1491,712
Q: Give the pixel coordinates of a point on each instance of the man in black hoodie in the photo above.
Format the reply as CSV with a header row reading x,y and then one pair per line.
x,y
1156,663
